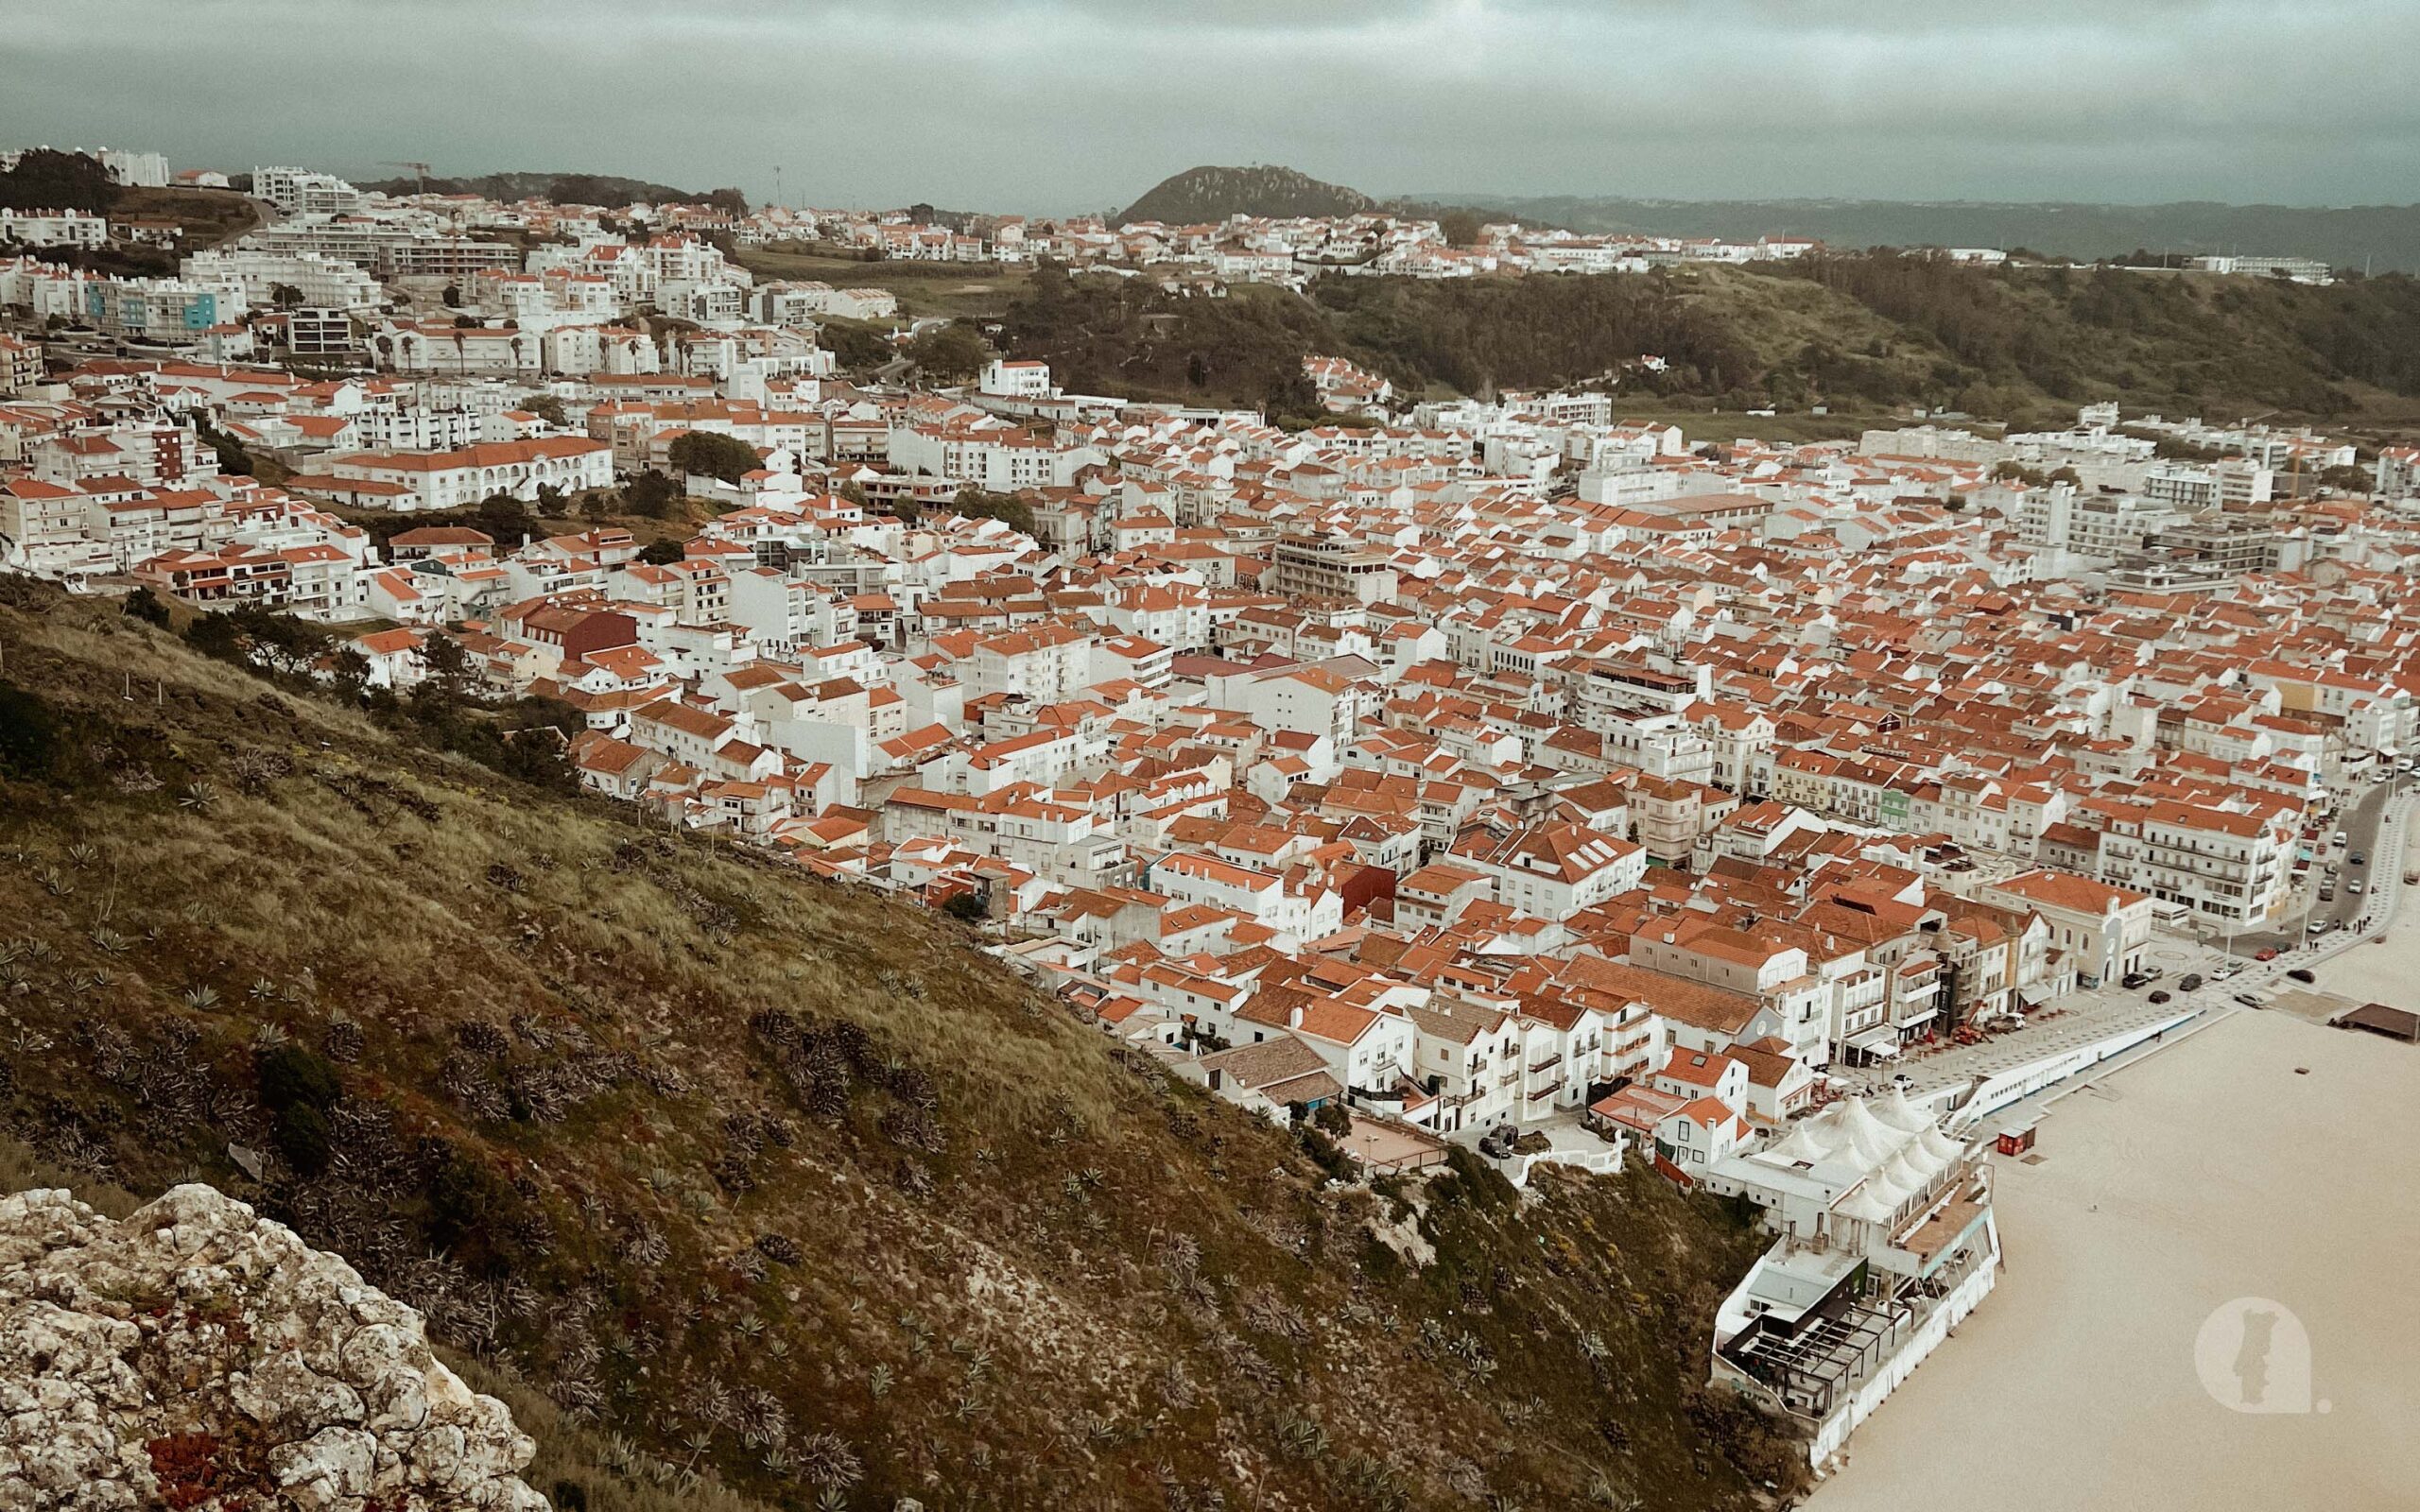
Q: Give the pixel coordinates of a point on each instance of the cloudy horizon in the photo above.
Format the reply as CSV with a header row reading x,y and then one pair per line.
x,y
1062,105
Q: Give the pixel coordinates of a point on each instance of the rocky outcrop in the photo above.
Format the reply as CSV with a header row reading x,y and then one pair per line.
x,y
197,1357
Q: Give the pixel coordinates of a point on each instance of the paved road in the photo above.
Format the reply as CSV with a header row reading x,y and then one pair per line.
x,y
2360,826
2372,826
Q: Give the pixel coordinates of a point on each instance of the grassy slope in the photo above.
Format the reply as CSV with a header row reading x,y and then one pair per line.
x,y
956,290
209,216
1012,1267
1869,339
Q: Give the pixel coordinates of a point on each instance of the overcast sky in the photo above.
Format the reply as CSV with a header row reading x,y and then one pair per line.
x,y
1068,105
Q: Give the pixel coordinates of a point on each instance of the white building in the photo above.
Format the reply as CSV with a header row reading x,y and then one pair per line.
x,y
452,480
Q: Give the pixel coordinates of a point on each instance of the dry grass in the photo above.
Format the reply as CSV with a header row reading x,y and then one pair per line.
x,y
1013,1268
924,288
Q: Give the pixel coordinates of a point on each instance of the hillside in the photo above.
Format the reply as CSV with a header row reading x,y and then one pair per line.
x,y
2383,237
606,189
719,1174
1865,335
1210,193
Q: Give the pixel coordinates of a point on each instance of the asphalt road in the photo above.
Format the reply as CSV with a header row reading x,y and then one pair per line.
x,y
2360,826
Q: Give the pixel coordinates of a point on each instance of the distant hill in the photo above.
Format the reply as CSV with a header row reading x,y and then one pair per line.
x,y
2384,237
1206,193
562,188
1866,333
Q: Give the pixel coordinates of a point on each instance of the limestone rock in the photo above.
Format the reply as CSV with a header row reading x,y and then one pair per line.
x,y
198,1356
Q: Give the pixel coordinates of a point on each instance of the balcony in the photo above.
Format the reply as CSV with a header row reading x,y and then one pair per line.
x,y
1547,1090
1540,1068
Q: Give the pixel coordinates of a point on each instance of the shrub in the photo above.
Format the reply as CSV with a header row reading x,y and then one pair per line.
x,y
291,1076
29,741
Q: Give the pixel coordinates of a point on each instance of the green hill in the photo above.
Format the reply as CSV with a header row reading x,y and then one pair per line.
x,y
722,1174
605,189
1210,193
1864,334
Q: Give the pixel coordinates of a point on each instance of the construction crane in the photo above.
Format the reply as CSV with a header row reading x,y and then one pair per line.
x,y
420,171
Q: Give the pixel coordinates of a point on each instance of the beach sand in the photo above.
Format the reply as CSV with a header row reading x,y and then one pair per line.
x,y
2207,1172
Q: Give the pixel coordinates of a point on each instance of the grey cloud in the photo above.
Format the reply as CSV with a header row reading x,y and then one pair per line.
x,y
1079,104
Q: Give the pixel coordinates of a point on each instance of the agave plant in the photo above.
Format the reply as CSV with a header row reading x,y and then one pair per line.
x,y
198,797
201,997
826,1460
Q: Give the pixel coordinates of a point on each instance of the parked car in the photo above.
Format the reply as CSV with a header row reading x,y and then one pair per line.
x,y
2266,953
2250,1000
2353,886
2358,859
2131,980
2303,973
2153,973
2189,981
2159,997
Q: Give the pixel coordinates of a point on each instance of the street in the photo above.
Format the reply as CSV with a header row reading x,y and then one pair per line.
x,y
2360,824
2376,826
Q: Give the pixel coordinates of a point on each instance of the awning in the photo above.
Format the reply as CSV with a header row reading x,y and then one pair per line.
x,y
1882,1040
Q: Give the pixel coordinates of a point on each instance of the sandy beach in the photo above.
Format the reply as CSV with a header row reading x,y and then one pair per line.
x,y
2209,1173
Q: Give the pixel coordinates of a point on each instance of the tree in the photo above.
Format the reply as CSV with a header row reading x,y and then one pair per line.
x,y
2348,479
661,553
284,297
1006,508
1293,398
232,459
1460,227
142,604
350,672
548,407
448,665
453,295
652,494
45,178
713,454
950,352
855,347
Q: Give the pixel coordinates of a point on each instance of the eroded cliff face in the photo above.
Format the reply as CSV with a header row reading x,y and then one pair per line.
x,y
196,1356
